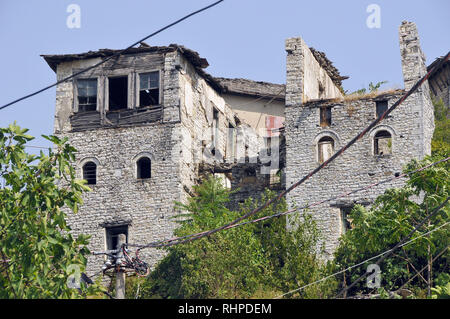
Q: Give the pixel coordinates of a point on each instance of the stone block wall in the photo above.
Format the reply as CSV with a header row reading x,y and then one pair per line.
x,y
411,127
119,197
358,166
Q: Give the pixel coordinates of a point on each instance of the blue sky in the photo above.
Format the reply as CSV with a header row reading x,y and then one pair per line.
x,y
239,38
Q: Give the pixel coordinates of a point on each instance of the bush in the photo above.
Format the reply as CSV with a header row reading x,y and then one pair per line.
x,y
260,259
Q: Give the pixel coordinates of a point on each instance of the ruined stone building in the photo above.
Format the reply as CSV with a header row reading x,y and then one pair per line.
x,y
151,123
319,122
145,126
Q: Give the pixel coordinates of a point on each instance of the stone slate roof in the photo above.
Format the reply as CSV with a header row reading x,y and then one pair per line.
x,y
193,57
223,85
252,88
437,61
328,66
54,59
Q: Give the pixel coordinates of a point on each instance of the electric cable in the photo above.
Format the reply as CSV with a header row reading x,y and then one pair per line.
x,y
360,263
120,52
333,157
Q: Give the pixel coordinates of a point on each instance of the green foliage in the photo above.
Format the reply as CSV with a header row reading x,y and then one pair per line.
x,y
442,288
256,260
372,88
37,254
441,137
393,215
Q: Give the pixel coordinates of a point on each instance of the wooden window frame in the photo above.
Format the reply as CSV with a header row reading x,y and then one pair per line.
x,y
76,106
138,87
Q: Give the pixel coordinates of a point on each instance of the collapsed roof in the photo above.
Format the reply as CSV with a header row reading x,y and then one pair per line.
x,y
223,85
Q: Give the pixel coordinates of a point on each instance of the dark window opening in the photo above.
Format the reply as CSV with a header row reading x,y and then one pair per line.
x,y
381,107
118,93
149,89
87,95
250,171
144,166
325,116
383,143
112,236
215,127
346,219
325,148
268,141
90,173
274,179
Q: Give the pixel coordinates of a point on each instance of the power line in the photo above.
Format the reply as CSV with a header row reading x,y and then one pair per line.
x,y
421,270
332,158
179,240
434,212
112,56
361,263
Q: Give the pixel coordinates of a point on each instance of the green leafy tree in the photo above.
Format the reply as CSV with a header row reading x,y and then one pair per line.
x,y
37,252
440,143
393,215
255,260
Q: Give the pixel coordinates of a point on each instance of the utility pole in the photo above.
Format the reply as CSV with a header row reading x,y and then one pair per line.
x,y
120,273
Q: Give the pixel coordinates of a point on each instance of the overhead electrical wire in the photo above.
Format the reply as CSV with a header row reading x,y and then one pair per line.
x,y
360,263
178,240
111,56
399,244
332,158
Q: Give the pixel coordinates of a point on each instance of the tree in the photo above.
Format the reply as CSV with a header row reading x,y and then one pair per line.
x,y
393,215
441,136
37,252
259,259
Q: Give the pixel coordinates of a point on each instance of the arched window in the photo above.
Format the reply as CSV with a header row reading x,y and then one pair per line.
x,y
383,143
144,168
325,148
90,173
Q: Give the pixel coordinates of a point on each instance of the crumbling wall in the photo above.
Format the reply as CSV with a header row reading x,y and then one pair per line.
x,y
305,78
414,68
358,166
198,100
410,126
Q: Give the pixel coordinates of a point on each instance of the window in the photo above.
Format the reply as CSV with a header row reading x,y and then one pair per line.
x,y
90,173
325,116
231,142
325,148
118,93
149,89
112,236
87,95
275,178
268,142
383,143
346,221
215,131
381,107
250,172
144,168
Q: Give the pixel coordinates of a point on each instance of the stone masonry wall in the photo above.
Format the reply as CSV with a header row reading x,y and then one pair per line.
x,y
119,198
411,126
356,167
414,68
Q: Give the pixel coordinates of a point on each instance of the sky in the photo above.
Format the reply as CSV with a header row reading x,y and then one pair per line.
x,y
239,38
